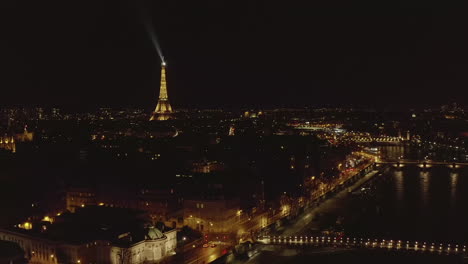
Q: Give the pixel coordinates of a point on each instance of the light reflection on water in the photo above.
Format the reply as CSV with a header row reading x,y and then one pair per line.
x,y
424,176
393,152
422,203
453,188
399,185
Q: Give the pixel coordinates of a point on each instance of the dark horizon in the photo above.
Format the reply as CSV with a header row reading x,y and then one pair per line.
x,y
404,55
71,109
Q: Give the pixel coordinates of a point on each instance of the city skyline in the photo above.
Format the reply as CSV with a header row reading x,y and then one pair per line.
x,y
235,55
139,132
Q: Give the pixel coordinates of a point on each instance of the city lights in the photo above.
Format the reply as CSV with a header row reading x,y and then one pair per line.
x,y
255,158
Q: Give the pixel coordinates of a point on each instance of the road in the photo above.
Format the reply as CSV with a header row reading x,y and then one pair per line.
x,y
305,220
283,255
200,255
332,204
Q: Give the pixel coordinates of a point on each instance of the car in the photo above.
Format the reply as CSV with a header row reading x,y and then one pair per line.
x,y
213,245
205,245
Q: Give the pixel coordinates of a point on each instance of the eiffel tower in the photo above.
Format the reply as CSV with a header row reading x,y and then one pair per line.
x,y
163,110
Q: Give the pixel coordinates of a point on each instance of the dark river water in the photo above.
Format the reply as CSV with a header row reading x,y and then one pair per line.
x,y
411,203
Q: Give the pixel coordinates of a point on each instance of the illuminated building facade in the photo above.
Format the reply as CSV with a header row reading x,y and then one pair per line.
x,y
211,216
163,109
93,235
8,143
154,247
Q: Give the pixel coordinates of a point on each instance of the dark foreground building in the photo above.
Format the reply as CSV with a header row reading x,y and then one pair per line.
x,y
93,235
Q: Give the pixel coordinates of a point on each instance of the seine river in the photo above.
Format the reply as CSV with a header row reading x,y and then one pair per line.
x,y
407,203
411,203
401,204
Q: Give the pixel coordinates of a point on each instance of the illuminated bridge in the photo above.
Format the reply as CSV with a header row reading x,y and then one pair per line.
x,y
422,163
363,243
381,139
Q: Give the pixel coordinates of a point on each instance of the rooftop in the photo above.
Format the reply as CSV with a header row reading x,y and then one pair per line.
x,y
92,223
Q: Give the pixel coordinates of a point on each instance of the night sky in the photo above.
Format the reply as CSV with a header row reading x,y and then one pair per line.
x,y
82,54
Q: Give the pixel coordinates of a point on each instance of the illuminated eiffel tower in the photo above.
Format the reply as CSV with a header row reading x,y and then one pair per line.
x,y
163,110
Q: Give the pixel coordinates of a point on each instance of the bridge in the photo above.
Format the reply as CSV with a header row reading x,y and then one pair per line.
x,y
379,139
362,243
422,163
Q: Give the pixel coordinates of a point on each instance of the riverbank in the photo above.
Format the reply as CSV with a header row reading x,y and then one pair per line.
x,y
312,220
334,255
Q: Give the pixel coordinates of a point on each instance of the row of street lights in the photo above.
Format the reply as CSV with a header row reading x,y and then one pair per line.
x,y
363,242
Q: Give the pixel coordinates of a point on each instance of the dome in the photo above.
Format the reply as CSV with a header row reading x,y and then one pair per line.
x,y
154,233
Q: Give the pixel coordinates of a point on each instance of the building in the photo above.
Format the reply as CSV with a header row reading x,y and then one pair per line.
x,y
79,197
162,205
207,166
163,110
155,246
94,235
212,215
8,143
11,253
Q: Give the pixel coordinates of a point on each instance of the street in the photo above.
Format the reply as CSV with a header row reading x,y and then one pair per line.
x,y
305,221
200,255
